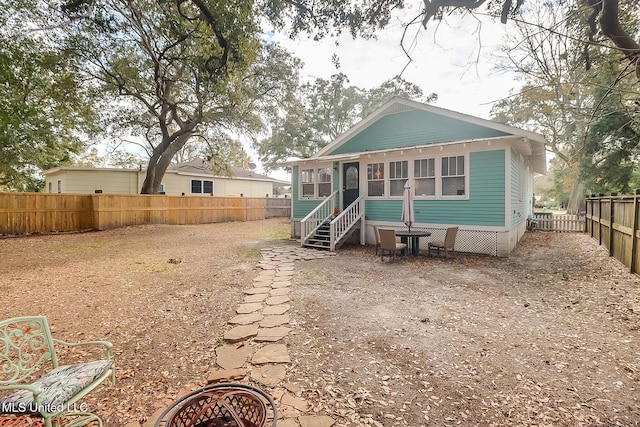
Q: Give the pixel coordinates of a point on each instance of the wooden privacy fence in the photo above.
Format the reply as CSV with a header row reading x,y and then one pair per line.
x,y
613,222
549,221
24,213
277,207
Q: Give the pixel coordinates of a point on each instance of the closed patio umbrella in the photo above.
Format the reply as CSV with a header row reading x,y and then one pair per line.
x,y
407,205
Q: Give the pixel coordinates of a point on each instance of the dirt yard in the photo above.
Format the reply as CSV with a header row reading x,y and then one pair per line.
x,y
549,336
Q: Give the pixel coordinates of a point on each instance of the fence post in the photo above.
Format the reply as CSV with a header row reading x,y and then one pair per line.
x,y
634,246
600,221
610,225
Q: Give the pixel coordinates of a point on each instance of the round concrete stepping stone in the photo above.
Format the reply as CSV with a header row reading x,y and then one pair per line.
x,y
276,309
272,334
255,298
271,353
259,290
241,333
277,300
279,291
246,319
233,357
248,308
269,375
281,284
275,320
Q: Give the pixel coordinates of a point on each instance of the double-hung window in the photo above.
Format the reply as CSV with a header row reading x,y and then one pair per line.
x,y
424,172
199,186
307,183
315,183
398,175
324,182
375,179
453,176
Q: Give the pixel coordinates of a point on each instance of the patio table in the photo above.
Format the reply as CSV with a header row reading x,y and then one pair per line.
x,y
412,239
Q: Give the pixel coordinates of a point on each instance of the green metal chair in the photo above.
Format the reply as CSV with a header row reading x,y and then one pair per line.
x,y
28,351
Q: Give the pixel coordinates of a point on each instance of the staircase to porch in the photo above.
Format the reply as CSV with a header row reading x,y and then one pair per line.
x,y
323,229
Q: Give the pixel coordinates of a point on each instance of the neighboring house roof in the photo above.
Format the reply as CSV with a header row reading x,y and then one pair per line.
x,y
201,167
443,127
197,167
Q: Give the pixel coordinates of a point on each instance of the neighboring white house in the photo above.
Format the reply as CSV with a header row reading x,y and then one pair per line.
x,y
188,179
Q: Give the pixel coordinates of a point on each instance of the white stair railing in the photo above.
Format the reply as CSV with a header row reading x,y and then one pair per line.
x,y
340,225
316,217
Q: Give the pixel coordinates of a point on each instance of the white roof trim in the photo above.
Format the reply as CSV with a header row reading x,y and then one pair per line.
x,y
520,144
396,100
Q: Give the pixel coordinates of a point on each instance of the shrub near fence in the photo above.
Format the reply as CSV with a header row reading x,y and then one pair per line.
x,y
613,222
25,213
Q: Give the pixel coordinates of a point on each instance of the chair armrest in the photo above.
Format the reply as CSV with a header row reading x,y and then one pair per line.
x,y
34,389
108,346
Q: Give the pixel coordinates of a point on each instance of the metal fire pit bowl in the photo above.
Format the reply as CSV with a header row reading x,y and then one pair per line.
x,y
221,405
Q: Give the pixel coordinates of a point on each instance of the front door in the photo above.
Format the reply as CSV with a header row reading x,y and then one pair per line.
x,y
350,183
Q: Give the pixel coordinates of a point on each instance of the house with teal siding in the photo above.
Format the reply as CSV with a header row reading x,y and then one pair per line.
x,y
468,172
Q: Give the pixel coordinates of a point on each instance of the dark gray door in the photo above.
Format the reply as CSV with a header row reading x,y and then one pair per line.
x,y
350,183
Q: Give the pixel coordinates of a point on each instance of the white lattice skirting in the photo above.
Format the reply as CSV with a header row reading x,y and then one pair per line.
x,y
479,242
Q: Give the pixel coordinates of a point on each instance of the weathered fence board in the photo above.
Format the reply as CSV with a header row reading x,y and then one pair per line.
x,y
548,221
24,213
613,222
277,207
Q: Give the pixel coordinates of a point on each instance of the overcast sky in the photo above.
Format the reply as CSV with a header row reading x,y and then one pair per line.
x,y
453,59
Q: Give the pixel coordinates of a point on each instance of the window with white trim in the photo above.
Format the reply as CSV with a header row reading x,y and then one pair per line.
x,y
306,182
375,179
453,177
201,186
424,174
398,175
324,182
315,183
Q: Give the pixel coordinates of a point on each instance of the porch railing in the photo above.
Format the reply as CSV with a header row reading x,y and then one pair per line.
x,y
316,218
343,223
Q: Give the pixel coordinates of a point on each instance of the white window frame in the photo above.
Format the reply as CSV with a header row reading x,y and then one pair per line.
x,y
375,177
464,176
393,175
424,175
412,170
315,176
202,181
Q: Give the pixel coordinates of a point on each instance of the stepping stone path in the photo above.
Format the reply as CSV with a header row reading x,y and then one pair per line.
x,y
254,350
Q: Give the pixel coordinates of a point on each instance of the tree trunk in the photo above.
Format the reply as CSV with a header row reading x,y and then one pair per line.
x,y
160,161
576,199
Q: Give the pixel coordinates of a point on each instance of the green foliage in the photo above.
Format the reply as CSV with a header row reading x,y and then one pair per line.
x,y
586,115
326,109
43,112
174,72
